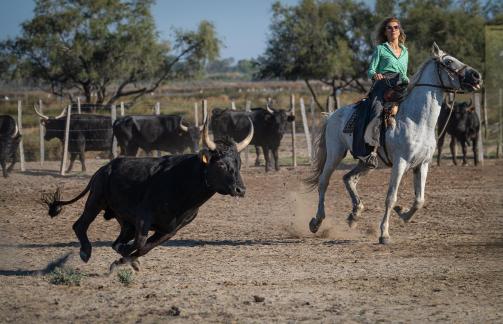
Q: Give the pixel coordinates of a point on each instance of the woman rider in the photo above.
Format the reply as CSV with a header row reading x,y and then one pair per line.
x,y
388,68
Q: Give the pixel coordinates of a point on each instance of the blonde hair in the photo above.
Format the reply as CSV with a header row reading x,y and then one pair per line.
x,y
380,33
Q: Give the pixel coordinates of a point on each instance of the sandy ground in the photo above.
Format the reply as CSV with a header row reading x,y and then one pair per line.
x,y
446,265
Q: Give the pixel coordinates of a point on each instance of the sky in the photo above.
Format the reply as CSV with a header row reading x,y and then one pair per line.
x,y
242,25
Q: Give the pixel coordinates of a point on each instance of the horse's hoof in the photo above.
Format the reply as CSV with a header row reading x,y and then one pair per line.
x,y
384,240
314,225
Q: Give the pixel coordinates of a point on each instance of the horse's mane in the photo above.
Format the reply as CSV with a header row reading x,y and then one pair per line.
x,y
415,78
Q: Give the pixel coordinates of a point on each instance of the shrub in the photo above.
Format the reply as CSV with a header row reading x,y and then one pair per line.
x,y
65,276
125,276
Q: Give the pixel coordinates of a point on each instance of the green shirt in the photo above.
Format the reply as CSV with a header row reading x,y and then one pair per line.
x,y
385,61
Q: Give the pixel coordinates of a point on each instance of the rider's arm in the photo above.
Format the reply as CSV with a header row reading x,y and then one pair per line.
x,y
374,63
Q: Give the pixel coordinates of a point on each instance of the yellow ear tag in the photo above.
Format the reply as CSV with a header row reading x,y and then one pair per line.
x,y
205,159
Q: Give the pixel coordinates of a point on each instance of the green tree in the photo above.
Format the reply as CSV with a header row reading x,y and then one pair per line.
x,y
458,28
321,40
107,47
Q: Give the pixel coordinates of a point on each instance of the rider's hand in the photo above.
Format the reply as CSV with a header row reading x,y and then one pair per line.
x,y
378,76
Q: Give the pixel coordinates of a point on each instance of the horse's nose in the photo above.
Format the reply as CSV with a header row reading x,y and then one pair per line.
x,y
475,75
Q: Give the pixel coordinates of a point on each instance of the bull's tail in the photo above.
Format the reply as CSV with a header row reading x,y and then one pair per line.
x,y
320,156
55,205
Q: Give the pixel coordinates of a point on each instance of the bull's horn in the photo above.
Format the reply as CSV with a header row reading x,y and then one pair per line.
x,y
269,109
206,137
205,118
471,102
62,114
16,131
182,126
244,143
39,113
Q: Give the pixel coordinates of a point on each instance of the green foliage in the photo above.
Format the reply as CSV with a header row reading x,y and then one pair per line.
x,y
125,276
107,47
65,276
322,40
458,31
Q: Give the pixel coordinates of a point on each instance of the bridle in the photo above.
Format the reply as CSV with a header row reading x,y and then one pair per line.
x,y
452,73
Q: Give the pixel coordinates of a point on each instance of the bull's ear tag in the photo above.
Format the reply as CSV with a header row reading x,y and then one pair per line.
x,y
205,156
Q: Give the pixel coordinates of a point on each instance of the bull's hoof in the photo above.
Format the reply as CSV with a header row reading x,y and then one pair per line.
x,y
314,225
257,163
85,256
384,240
352,220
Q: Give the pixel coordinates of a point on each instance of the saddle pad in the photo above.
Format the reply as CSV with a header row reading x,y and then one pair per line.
x,y
350,124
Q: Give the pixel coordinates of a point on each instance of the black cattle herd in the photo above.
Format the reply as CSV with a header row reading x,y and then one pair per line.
x,y
164,194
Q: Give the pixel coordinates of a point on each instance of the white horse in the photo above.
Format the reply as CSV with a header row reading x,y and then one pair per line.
x,y
409,145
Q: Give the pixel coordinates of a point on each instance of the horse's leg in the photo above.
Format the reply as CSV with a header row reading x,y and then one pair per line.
x,y
351,180
335,153
440,143
396,176
420,174
453,150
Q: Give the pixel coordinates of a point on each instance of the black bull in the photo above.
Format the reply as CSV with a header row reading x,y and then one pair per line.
x,y
164,133
269,124
159,194
9,142
463,126
87,133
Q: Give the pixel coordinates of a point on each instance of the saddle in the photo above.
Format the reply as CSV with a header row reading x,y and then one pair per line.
x,y
361,127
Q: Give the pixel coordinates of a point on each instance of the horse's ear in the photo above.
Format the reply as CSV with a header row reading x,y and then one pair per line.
x,y
435,50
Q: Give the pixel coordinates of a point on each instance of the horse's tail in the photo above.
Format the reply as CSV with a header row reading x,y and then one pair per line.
x,y
320,156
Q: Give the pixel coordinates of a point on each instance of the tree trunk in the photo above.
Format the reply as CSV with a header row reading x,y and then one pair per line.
x,y
315,98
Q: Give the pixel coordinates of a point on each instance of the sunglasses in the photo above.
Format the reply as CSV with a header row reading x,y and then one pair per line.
x,y
395,27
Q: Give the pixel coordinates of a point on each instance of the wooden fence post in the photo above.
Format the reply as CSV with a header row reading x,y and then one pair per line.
x,y
338,98
157,112
330,104
78,105
114,140
233,105
500,104
485,113
41,132
292,109
306,129
480,145
62,169
122,108
196,115
20,128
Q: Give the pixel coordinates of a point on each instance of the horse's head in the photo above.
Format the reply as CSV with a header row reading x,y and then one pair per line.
x,y
455,74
